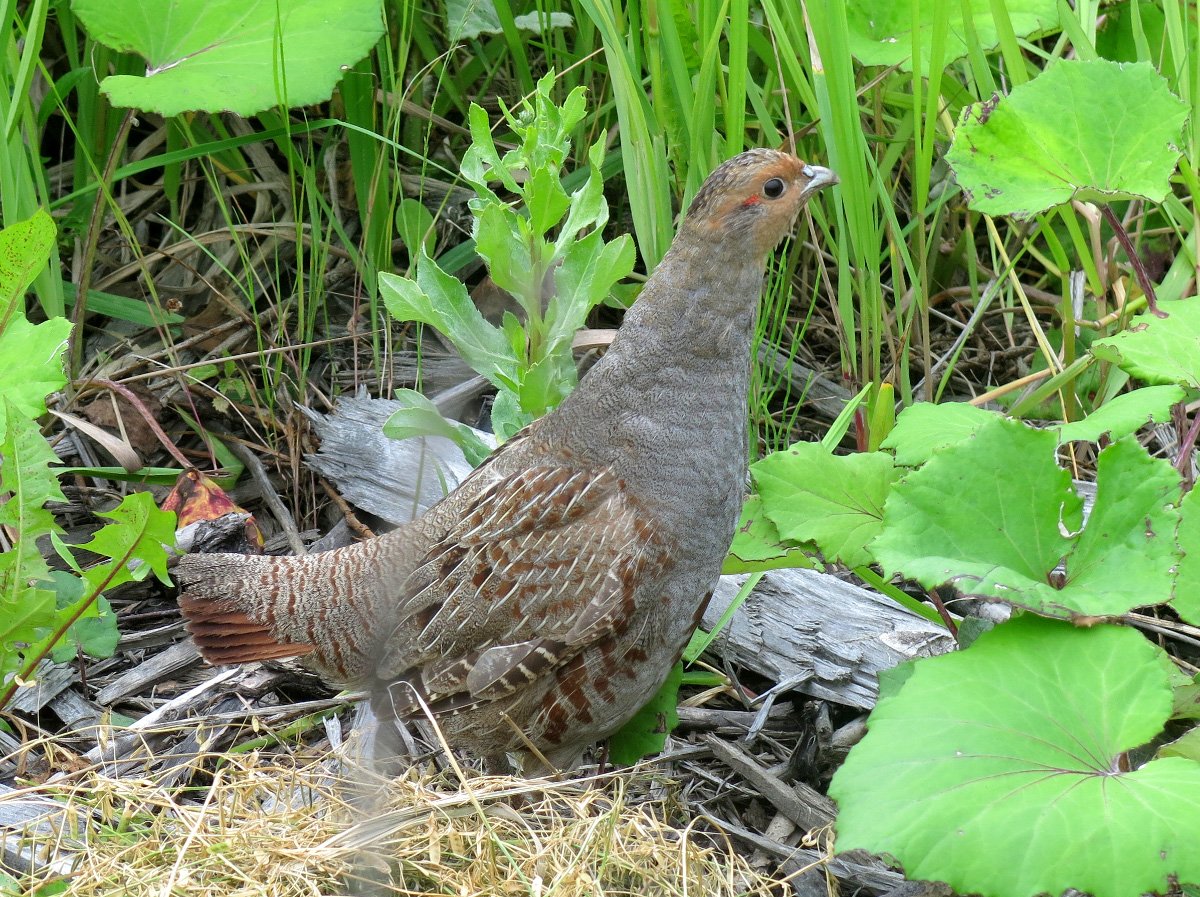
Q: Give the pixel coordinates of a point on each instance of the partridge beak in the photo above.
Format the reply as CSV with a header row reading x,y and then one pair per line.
x,y
818,178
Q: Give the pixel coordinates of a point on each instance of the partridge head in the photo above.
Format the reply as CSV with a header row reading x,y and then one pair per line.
x,y
544,600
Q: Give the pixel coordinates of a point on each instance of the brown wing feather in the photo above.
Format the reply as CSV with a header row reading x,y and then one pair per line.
x,y
542,564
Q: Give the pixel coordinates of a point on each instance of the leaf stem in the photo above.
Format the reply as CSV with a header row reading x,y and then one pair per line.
x,y
1139,269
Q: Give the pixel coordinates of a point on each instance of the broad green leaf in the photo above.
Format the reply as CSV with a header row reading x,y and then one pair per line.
x,y
31,364
1187,576
646,733
757,545
1187,746
546,200
239,56
986,515
467,19
880,31
420,417
95,631
835,501
414,223
24,250
1124,415
924,429
998,769
499,242
994,516
1088,130
588,272
1159,350
1123,557
1116,36
441,301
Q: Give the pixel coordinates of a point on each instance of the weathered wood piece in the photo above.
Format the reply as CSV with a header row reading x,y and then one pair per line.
x,y
829,637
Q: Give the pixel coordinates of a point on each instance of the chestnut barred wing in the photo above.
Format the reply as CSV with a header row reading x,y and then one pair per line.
x,y
544,563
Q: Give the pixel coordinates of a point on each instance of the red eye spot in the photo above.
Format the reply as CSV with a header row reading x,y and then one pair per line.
x,y
752,201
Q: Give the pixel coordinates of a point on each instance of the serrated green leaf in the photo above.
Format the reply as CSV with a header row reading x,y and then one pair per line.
x,y
441,301
545,383
239,56
136,542
481,162
1124,415
24,250
924,429
835,501
1026,784
880,31
589,208
1123,557
994,516
1090,130
1159,350
31,363
647,732
26,475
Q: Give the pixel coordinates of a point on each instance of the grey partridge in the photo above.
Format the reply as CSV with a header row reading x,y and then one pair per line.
x,y
545,599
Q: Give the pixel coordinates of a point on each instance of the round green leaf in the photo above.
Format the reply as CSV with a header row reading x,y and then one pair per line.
x,y
1186,599
414,223
1159,350
835,501
983,515
881,31
1091,130
241,56
998,769
994,516
1124,414
924,429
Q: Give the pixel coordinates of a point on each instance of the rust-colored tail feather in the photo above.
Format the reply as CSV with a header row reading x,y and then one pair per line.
x,y
226,635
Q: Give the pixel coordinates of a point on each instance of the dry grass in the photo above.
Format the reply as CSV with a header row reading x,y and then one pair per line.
x,y
267,825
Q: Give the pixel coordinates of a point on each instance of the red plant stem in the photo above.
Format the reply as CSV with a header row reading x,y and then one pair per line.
x,y
1139,269
133,399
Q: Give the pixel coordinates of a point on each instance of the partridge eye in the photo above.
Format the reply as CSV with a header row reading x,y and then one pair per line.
x,y
773,189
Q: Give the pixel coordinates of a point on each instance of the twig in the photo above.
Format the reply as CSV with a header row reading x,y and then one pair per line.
x,y
351,518
269,495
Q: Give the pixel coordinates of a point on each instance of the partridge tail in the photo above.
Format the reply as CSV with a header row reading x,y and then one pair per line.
x,y
229,603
